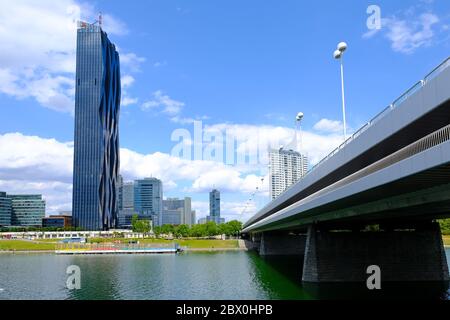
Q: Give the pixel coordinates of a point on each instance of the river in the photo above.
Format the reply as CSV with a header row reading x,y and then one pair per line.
x,y
218,275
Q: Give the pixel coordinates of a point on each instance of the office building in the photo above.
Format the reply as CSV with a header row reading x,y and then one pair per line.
x,y
286,168
127,196
214,203
27,210
5,210
148,197
96,145
57,221
172,217
183,206
193,217
214,207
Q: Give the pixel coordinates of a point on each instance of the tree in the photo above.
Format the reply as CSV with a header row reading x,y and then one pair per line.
x,y
211,229
140,225
182,231
234,228
445,226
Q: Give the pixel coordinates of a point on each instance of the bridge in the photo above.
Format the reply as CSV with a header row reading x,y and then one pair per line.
x,y
374,200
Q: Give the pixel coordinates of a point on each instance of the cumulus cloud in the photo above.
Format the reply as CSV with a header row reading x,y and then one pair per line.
x,y
408,30
163,103
38,49
329,126
31,164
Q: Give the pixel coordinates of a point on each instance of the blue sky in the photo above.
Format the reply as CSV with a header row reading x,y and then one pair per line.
x,y
245,66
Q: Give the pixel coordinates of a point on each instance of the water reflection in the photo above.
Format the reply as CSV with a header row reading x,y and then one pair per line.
x,y
292,267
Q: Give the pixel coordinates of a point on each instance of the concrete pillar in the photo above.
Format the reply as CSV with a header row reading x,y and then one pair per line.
x,y
408,255
281,244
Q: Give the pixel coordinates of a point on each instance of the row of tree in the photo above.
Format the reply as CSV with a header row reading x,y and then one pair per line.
x,y
209,229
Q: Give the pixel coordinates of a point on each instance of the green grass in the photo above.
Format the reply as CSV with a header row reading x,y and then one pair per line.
x,y
22,245
191,243
446,240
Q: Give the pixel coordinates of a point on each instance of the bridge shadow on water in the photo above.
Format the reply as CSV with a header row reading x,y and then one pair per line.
x,y
290,267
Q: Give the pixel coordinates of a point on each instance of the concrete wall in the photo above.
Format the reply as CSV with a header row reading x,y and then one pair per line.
x,y
402,255
280,244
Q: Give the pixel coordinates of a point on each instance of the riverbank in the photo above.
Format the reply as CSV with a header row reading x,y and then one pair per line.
x,y
446,240
195,245
189,245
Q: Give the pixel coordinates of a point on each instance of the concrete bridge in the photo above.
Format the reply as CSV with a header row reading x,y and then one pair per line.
x,y
374,200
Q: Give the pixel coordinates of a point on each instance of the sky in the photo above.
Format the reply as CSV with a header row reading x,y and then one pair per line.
x,y
195,73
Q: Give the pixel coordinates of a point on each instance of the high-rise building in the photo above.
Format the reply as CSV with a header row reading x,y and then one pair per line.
x,y
5,210
27,210
172,217
183,206
127,197
96,150
214,203
193,217
148,197
214,207
286,168
119,189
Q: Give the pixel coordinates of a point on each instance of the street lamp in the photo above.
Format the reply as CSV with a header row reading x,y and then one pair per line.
x,y
339,55
298,124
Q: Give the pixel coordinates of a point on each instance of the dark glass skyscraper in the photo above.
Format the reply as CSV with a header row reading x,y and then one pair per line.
x,y
96,150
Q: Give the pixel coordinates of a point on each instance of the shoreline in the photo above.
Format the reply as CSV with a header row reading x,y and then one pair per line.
x,y
188,250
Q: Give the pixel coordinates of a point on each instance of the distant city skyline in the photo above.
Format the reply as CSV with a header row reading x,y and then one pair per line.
x,y
249,77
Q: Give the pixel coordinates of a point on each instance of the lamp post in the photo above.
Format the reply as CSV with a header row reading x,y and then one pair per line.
x,y
298,124
298,121
339,55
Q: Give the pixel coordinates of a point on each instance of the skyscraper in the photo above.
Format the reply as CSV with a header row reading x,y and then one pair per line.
x,y
96,152
148,197
214,203
286,168
214,207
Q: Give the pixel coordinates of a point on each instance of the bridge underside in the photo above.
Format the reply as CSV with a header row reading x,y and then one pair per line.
x,y
335,245
407,252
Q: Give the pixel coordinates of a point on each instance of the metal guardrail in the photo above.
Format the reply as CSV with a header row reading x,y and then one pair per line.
x,y
395,104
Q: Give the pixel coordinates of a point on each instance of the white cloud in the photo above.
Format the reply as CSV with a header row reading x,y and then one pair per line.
x,y
42,165
163,103
329,126
255,140
409,31
38,49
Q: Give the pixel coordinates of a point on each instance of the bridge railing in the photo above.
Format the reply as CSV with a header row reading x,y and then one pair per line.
x,y
433,139
395,104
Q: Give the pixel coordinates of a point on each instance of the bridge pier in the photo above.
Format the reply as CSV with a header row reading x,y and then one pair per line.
x,y
281,244
402,255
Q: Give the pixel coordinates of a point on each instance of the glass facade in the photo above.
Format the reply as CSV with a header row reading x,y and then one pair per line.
x,y
27,210
214,203
148,196
96,152
5,210
183,206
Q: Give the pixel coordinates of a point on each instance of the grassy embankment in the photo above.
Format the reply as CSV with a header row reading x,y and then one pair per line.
x,y
446,240
45,245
